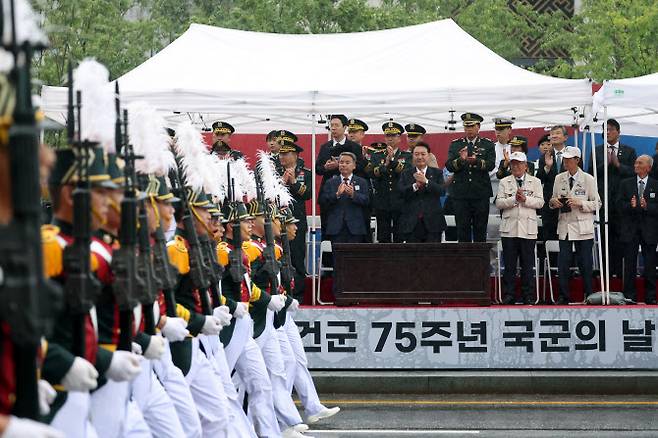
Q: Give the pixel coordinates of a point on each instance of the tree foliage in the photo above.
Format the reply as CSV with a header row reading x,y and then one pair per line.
x,y
609,38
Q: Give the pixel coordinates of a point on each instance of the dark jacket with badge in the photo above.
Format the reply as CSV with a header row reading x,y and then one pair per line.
x,y
638,221
346,210
385,179
328,151
425,202
626,156
471,180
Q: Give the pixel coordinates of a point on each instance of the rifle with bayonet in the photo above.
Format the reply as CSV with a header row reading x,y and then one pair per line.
x,y
198,267
236,268
270,266
286,263
27,299
127,280
164,275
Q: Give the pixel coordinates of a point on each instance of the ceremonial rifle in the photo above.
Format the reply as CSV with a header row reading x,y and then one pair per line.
x,y
164,275
236,268
271,266
27,299
286,264
127,280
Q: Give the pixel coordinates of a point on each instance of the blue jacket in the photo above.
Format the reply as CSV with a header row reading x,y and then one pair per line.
x,y
345,210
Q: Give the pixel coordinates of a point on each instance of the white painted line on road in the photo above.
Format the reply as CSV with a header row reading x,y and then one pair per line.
x,y
393,431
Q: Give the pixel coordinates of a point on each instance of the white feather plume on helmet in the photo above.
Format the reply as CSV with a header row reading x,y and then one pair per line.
x,y
97,114
146,129
273,188
193,154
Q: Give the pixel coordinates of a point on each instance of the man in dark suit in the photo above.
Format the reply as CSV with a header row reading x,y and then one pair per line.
x,y
620,159
345,196
421,188
471,158
550,165
637,202
327,161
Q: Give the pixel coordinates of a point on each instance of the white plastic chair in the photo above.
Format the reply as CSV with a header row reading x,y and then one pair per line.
x,y
325,248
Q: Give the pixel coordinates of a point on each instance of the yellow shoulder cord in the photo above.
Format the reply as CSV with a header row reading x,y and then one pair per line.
x,y
196,215
155,209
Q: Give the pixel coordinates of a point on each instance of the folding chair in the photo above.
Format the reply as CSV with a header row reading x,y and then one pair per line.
x,y
553,247
499,280
325,248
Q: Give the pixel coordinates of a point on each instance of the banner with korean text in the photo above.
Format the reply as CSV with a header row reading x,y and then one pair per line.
x,y
523,337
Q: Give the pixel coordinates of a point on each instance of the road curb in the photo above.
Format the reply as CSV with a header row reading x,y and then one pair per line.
x,y
487,382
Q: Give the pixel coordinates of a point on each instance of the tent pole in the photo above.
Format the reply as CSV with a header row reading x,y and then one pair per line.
x,y
313,211
599,253
606,295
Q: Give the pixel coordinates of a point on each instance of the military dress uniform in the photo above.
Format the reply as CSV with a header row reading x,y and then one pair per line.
x,y
220,148
387,201
301,192
470,189
242,351
207,391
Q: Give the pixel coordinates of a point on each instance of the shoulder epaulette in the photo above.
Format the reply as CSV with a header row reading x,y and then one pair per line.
x,y
53,253
178,255
222,253
252,250
278,251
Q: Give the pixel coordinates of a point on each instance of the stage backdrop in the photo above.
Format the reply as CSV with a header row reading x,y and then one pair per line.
x,y
463,338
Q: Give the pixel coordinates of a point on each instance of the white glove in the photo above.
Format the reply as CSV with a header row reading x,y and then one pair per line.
x,y
241,310
124,366
81,376
47,396
212,326
136,348
276,303
175,329
294,305
223,314
22,427
155,348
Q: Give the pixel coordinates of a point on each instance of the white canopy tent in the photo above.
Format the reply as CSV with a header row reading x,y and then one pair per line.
x,y
261,81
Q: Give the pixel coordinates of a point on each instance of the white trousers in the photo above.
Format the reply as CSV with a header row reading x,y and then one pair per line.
x,y
72,417
155,405
178,390
243,354
108,409
303,382
268,342
136,426
208,395
239,426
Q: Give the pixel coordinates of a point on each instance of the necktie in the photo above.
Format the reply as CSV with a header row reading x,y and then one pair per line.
x,y
559,160
571,182
640,189
519,182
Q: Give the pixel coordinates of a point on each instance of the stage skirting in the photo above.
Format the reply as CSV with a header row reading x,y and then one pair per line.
x,y
497,337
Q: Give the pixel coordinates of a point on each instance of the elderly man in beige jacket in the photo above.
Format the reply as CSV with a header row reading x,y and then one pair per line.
x,y
519,197
576,195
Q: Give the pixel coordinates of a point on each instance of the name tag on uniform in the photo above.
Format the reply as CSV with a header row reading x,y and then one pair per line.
x,y
356,187
580,192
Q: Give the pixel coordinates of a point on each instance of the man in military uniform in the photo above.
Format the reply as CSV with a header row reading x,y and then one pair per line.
x,y
384,169
221,140
356,130
298,180
503,128
518,143
416,134
471,158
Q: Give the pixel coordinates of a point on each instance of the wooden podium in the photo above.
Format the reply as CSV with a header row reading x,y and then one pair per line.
x,y
412,273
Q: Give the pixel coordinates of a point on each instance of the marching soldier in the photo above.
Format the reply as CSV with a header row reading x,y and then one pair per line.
x,y
471,158
384,169
298,180
221,140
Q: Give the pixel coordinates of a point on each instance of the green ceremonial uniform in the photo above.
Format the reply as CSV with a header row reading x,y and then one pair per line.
x,y
471,187
386,200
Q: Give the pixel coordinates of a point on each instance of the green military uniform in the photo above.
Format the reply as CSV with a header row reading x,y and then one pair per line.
x,y
221,148
387,201
520,141
471,190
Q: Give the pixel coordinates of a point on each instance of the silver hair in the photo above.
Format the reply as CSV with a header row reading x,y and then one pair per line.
x,y
649,159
